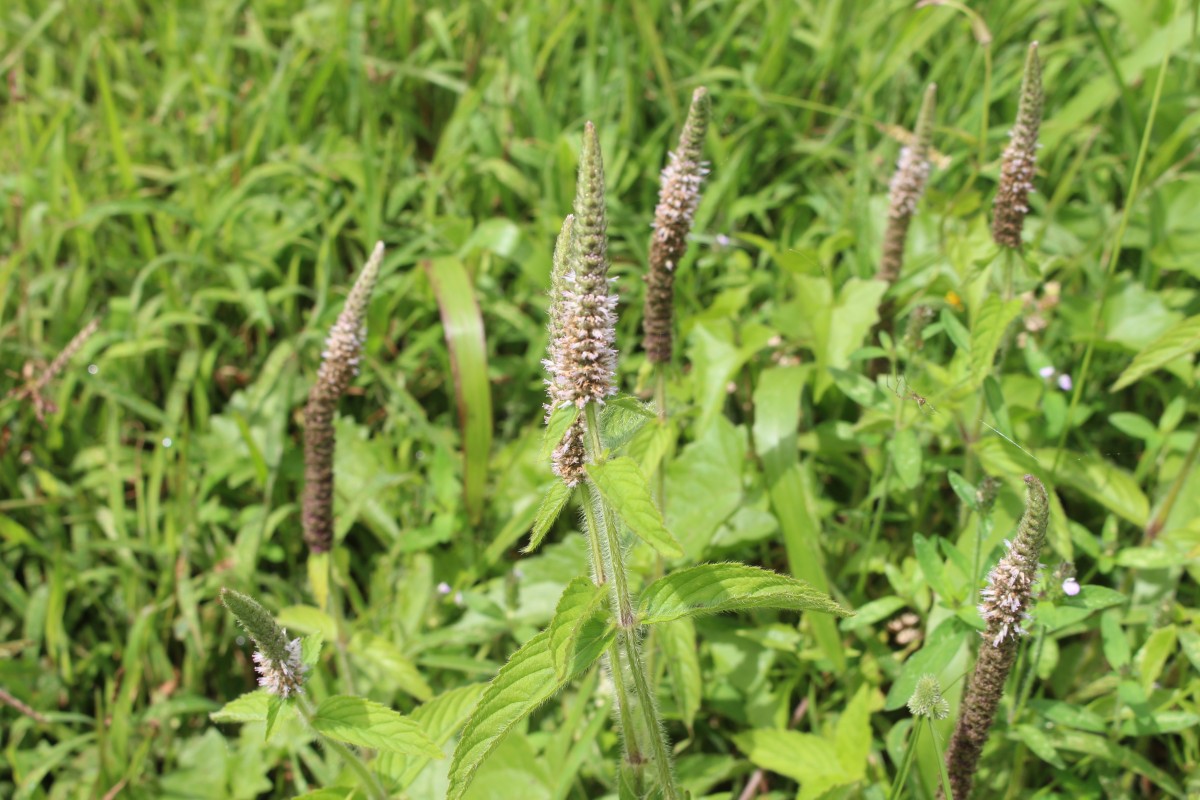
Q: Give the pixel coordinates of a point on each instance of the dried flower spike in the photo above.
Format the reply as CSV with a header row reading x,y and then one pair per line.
x,y
1005,609
339,365
277,660
907,186
568,457
678,197
34,387
585,359
1020,158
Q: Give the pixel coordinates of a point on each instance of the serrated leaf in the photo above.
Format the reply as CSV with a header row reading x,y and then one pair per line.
x,y
625,489
250,707
362,722
1181,340
523,684
275,704
562,418
579,603
713,588
987,330
552,505
310,648
621,419
441,717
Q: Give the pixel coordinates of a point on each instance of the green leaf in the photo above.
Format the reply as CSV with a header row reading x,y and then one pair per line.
x,y
310,648
579,603
1153,656
713,588
1038,743
955,331
627,492
1114,640
987,330
621,419
441,717
872,612
250,707
852,736
678,641
1181,340
552,505
804,757
964,490
524,683
561,418
931,564
939,650
906,457
1094,598
463,326
1160,723
362,722
275,704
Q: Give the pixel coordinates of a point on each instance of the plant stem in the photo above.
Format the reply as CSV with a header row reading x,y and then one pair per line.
x,y
1114,254
1155,525
941,761
370,781
627,626
906,764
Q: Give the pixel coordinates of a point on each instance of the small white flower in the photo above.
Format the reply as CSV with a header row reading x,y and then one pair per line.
x,y
1071,587
1047,372
1064,382
443,588
283,678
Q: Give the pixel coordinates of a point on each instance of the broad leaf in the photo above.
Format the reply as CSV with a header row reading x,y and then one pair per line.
x,y
1181,340
552,505
987,330
362,722
579,603
523,684
441,717
626,491
713,588
250,707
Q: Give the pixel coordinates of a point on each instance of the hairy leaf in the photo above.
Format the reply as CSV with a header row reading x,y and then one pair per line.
x,y
362,722
625,489
579,603
713,588
552,505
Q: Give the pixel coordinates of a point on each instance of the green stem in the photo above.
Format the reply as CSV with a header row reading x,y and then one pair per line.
x,y
627,625
589,511
1113,255
906,764
370,781
941,761
1155,525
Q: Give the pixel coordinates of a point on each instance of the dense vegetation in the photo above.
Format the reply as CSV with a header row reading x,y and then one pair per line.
x,y
205,180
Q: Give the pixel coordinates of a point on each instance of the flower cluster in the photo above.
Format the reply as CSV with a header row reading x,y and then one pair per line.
x,y
339,366
282,677
907,186
678,198
277,660
927,700
1020,158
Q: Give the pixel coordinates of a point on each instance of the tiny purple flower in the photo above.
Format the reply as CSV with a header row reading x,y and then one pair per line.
x,y
1071,587
443,588
1046,372
1064,382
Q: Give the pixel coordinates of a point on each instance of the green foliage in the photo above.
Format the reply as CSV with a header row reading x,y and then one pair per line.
x,y
713,588
205,179
625,489
357,721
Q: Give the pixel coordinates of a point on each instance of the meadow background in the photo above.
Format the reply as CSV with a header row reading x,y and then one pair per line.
x,y
207,177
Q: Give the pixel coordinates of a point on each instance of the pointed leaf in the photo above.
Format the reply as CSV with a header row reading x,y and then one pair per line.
x,y
275,704
987,329
579,603
625,489
678,641
250,707
442,717
1181,340
524,683
358,721
712,588
552,505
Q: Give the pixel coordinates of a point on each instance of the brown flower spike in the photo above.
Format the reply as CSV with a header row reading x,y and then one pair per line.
x,y
339,365
907,186
678,198
1005,608
1020,158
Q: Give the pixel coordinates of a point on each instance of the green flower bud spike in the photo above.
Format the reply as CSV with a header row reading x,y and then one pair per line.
x,y
277,660
1005,608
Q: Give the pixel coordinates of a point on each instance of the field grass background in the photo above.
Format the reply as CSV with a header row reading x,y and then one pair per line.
x,y
208,176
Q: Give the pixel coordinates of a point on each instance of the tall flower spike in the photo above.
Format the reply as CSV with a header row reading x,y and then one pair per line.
x,y
677,200
1005,608
1020,158
277,660
907,186
569,455
339,365
585,358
